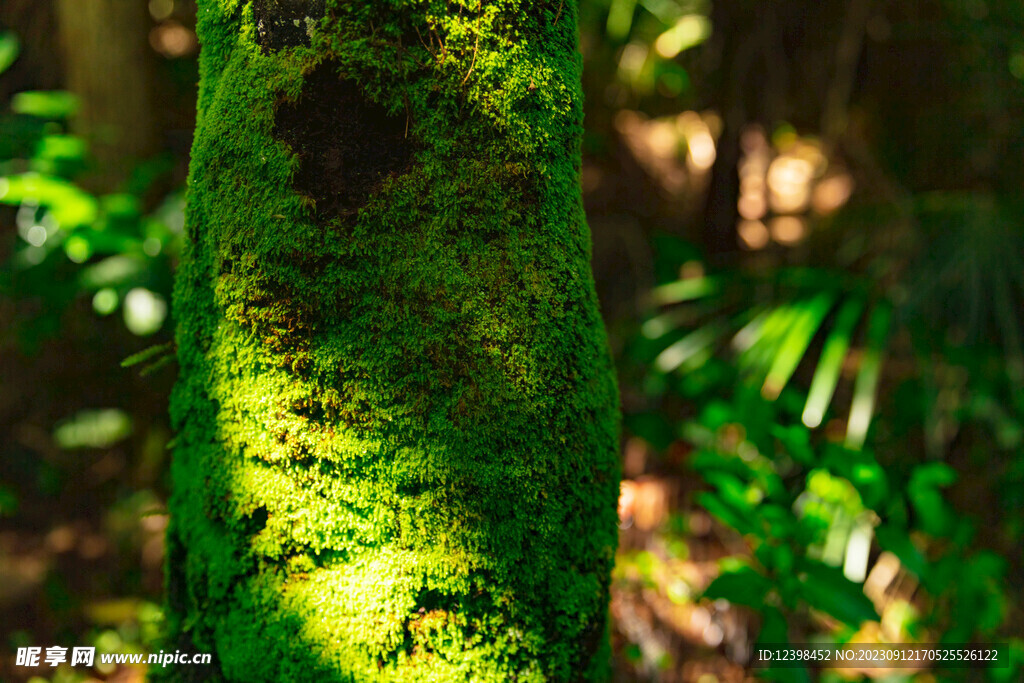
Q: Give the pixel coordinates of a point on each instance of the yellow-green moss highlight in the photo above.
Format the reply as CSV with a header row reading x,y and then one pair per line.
x,y
397,440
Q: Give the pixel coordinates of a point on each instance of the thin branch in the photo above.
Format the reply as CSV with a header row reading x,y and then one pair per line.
x,y
848,50
424,43
476,45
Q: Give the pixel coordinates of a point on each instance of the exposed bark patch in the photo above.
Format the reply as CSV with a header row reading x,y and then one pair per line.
x,y
285,23
347,145
256,521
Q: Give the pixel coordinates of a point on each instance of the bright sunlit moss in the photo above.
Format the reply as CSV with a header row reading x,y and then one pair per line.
x,y
397,417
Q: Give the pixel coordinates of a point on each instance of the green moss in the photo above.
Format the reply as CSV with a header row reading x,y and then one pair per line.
x,y
397,423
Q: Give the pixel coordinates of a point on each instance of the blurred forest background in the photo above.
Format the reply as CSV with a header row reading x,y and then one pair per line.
x,y
808,226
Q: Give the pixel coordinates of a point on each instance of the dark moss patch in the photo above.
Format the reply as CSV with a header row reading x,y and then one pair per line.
x,y
256,521
285,23
347,145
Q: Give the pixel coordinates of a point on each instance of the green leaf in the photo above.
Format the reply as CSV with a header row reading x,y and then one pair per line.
x,y
898,542
794,344
870,479
10,47
740,521
8,501
935,515
716,413
788,675
93,429
932,475
157,365
61,148
685,290
826,589
741,587
762,339
797,442
774,628
146,354
114,271
1007,315
826,376
730,488
1015,654
865,388
620,19
69,205
45,104
782,524
684,349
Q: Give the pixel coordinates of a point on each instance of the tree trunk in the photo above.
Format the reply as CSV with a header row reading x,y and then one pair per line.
x,y
108,66
397,450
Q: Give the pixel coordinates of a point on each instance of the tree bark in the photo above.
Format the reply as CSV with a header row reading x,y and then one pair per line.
x,y
397,418
108,66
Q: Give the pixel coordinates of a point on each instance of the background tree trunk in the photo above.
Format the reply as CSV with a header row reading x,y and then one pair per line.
x,y
397,450
108,65
37,66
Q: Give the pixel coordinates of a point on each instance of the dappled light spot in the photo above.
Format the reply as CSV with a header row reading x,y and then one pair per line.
x,y
645,501
173,40
161,9
699,132
61,539
832,193
789,181
752,206
780,181
23,573
700,151
77,249
788,230
713,635
662,139
753,234
36,235
105,301
882,575
632,60
144,311
92,546
689,30
634,463
691,270
1016,64
153,547
677,151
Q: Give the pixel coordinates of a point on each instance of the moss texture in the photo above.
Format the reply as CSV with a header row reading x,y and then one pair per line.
x,y
397,417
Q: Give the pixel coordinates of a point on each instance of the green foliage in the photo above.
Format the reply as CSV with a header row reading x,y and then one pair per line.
x,y
93,429
72,243
809,502
648,40
9,49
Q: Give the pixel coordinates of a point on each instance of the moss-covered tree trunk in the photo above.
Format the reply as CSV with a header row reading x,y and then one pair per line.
x,y
397,422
